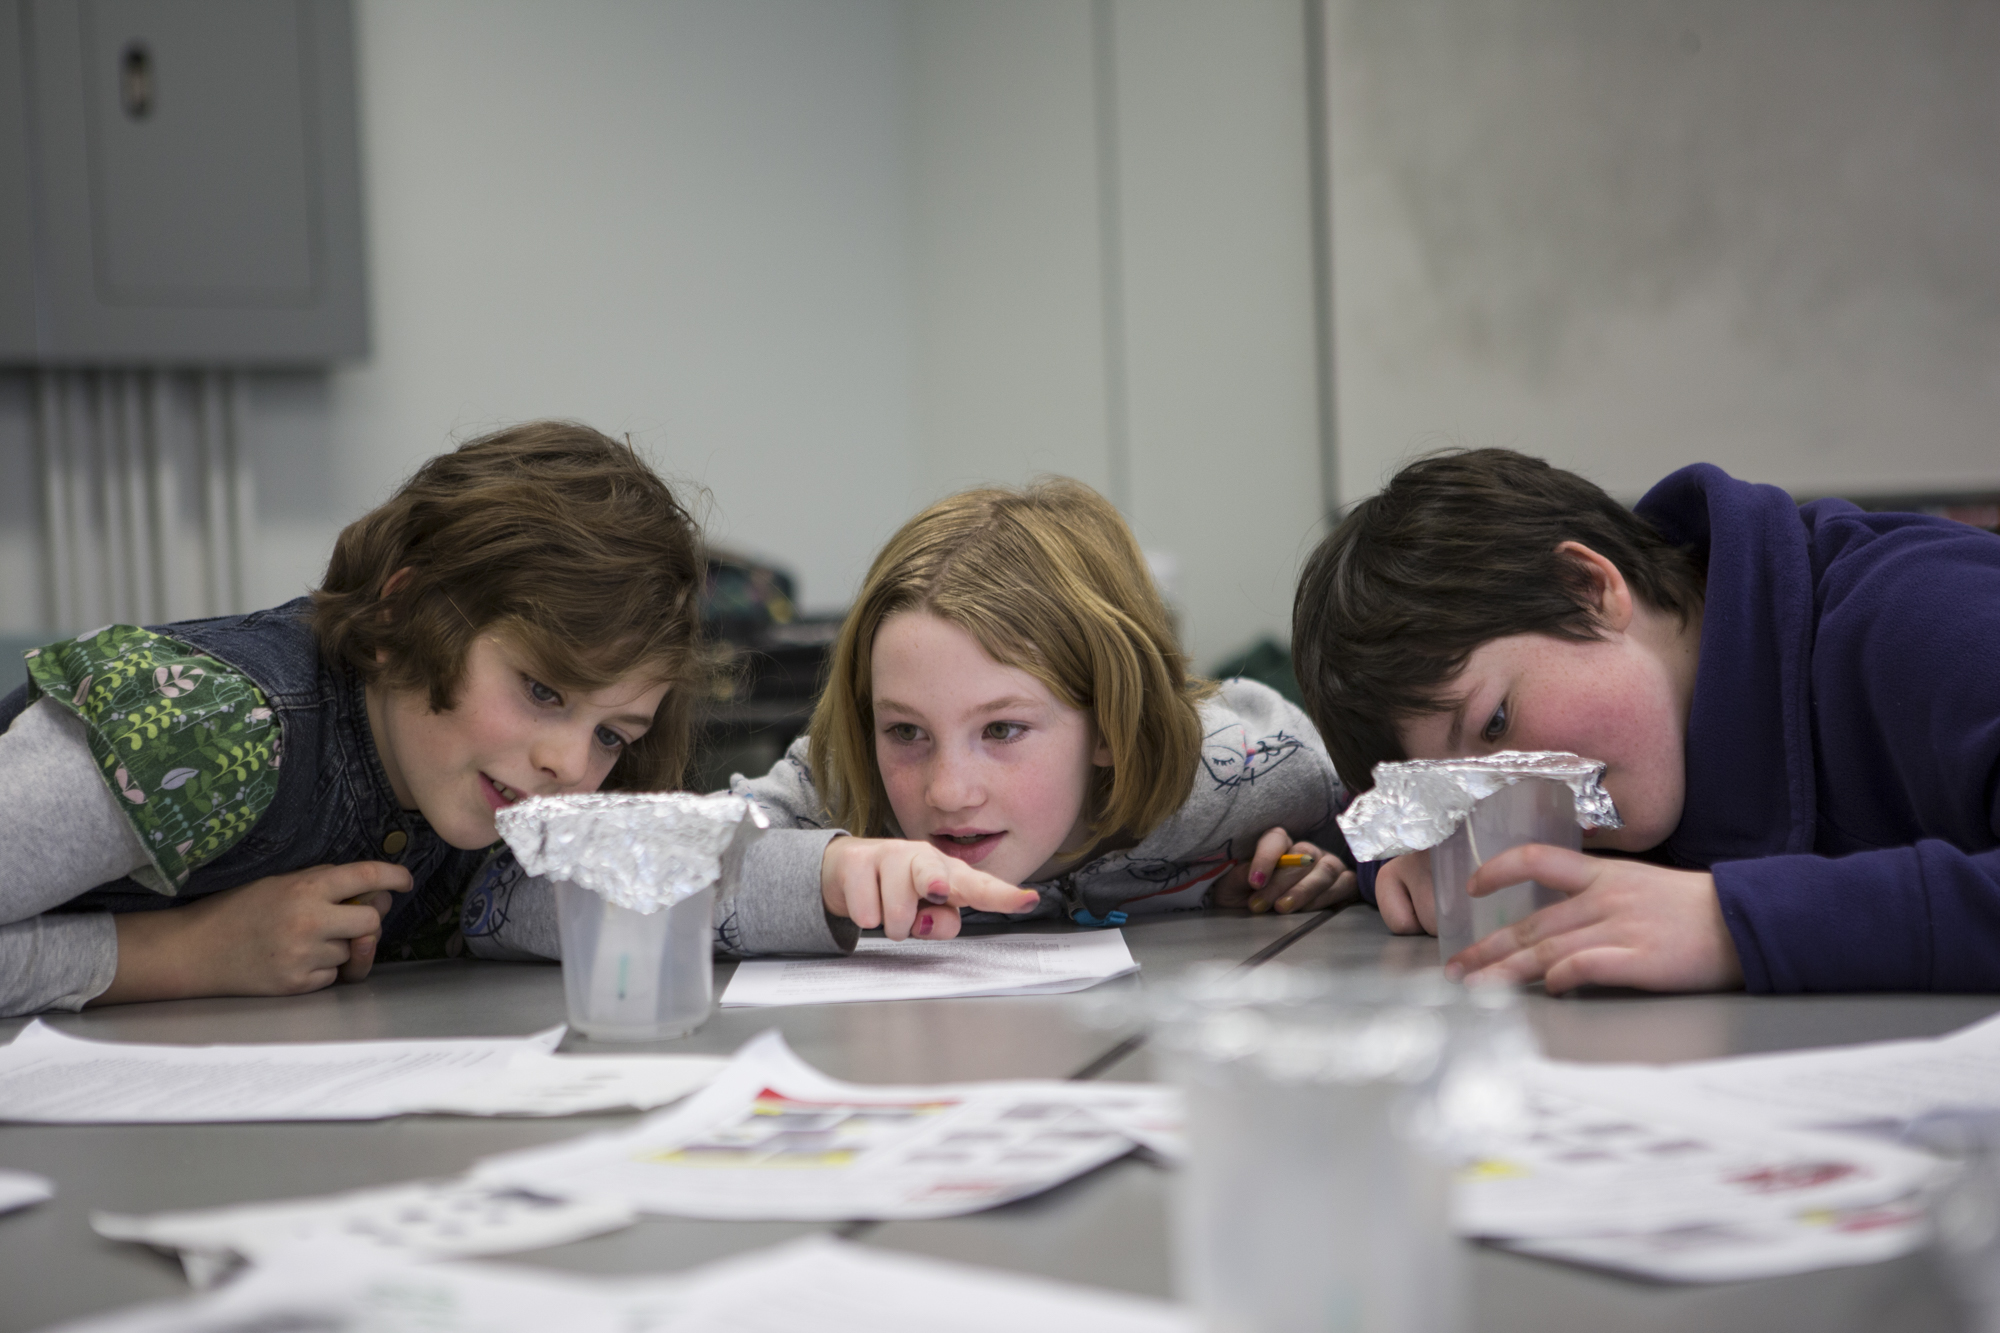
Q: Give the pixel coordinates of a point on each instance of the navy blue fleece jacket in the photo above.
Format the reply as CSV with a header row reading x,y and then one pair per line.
x,y
1843,747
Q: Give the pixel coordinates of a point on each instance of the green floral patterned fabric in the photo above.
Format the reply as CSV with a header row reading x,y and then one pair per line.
x,y
187,741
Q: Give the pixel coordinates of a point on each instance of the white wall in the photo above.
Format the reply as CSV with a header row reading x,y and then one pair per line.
x,y
1630,236
829,259
1114,277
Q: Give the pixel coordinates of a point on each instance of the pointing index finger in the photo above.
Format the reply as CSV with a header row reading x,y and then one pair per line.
x,y
976,888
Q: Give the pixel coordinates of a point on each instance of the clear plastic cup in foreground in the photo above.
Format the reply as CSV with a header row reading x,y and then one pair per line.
x,y
1312,1199
635,976
1530,810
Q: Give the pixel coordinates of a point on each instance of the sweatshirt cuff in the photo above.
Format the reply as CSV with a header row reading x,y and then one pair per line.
x,y
1365,875
58,960
778,908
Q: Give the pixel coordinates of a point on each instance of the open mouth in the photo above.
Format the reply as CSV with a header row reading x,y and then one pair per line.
x,y
972,848
498,794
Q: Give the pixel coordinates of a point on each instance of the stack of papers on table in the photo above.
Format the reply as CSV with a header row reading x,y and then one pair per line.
x,y
50,1077
425,1220
817,1283
1684,1195
773,1138
881,969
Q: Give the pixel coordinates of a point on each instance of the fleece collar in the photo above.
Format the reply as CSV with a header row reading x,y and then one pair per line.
x,y
1749,751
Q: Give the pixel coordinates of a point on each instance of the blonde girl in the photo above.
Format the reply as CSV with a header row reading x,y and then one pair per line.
x,y
1007,706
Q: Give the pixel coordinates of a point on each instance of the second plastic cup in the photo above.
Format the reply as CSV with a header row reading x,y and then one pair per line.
x,y
635,976
1530,810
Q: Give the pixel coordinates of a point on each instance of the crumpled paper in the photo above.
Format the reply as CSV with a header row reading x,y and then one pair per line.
x,y
644,851
1419,803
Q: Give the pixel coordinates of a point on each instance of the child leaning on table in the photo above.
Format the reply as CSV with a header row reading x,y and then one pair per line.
x,y
1798,706
309,788
1006,705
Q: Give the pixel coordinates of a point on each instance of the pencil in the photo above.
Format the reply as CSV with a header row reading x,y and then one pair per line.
x,y
1291,860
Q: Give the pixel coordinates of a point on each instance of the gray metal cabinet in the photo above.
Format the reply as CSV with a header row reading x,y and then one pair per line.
x,y
179,183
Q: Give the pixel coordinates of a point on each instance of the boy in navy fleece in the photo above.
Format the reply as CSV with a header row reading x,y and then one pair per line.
x,y
1799,707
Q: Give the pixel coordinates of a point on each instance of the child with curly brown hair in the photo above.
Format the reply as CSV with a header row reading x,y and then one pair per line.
x,y
309,788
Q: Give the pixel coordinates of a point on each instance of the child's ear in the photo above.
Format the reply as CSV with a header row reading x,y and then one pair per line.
x,y
1610,593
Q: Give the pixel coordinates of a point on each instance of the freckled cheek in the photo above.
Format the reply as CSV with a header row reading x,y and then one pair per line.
x,y
903,781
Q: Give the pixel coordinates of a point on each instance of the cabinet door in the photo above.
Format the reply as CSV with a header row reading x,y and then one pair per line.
x,y
199,160
196,185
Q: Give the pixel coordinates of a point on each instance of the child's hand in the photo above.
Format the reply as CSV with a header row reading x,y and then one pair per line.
x,y
283,935
909,888
1262,885
1625,923
1403,895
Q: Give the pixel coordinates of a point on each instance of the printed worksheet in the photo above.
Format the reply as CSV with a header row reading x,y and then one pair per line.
x,y
425,1220
818,1283
880,969
1585,1167
1878,1084
51,1077
773,1138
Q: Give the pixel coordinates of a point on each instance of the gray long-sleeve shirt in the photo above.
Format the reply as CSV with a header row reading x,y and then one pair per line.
x,y
64,834
1263,766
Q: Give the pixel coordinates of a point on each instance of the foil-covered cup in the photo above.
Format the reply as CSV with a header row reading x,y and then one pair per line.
x,y
1466,812
635,876
643,851
1418,803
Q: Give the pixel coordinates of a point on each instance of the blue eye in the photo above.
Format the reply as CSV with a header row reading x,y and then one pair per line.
x,y
610,739
1496,726
541,693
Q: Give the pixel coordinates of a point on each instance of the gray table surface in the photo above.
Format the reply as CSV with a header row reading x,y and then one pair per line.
x,y
1108,1228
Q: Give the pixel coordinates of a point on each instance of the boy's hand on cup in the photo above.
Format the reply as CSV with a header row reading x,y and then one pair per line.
x,y
1623,923
1404,896
910,889
282,935
1285,876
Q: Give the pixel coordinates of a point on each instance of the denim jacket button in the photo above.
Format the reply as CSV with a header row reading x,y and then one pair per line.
x,y
395,842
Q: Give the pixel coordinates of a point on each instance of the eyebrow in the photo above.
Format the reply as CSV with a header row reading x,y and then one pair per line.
x,y
991,706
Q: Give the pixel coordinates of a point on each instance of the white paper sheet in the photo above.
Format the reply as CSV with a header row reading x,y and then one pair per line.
x,y
774,1138
1589,1167
831,1286
1878,1084
428,1220
1740,1251
881,969
818,1283
50,1077
19,1189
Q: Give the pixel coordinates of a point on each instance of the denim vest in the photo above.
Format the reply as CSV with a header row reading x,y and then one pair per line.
x,y
333,804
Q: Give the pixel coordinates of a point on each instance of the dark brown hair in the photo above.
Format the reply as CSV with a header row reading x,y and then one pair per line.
x,y
1457,550
1049,580
551,534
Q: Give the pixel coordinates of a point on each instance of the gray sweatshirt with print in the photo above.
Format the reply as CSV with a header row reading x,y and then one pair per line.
x,y
1263,766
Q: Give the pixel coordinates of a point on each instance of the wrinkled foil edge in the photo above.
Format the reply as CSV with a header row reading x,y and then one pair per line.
x,y
644,851
1418,803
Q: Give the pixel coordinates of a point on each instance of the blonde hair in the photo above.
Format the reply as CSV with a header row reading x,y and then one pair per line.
x,y
1050,581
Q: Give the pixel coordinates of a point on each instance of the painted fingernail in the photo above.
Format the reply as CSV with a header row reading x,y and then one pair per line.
x,y
938,893
1257,878
1259,905
923,923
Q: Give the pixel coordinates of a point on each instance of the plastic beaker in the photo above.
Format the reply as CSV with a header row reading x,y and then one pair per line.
x,y
636,976
1529,810
1314,1198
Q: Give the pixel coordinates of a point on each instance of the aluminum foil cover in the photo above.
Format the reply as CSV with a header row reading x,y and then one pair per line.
x,y
641,850
1420,802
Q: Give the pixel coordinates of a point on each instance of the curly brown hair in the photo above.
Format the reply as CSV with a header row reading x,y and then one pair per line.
x,y
552,534
1460,548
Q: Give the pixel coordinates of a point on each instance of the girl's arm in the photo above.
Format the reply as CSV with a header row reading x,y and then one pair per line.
x,y
63,835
